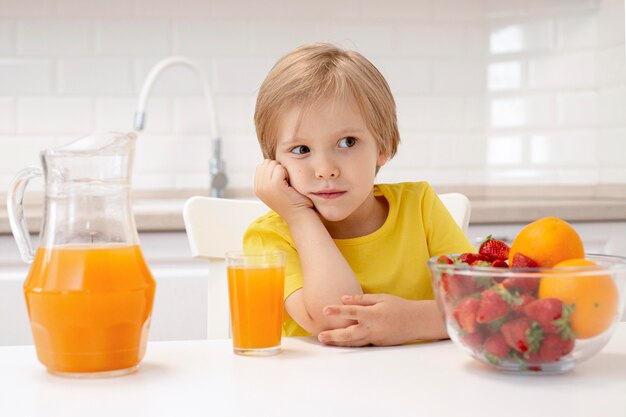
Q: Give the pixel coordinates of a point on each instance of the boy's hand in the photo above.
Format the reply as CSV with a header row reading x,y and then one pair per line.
x,y
383,320
271,185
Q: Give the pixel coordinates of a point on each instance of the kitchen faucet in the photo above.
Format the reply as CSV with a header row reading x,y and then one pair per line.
x,y
217,167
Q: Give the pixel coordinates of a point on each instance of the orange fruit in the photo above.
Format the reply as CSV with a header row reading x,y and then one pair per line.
x,y
594,297
547,241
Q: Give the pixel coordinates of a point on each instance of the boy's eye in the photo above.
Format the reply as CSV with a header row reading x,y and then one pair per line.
x,y
301,149
347,142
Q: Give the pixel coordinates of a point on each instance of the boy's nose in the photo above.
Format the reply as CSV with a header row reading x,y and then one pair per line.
x,y
326,172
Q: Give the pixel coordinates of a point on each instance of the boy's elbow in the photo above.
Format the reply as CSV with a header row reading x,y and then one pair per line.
x,y
313,322
312,318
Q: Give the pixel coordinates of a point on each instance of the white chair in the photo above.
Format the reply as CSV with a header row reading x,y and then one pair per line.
x,y
459,207
216,225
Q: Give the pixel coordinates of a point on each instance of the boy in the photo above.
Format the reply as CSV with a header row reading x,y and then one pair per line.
x,y
356,271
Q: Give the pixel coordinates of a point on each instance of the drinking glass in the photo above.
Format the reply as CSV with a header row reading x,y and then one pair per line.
x,y
255,286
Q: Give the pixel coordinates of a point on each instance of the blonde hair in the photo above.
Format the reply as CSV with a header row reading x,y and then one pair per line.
x,y
316,71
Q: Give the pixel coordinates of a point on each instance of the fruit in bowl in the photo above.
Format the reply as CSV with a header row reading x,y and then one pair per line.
x,y
532,307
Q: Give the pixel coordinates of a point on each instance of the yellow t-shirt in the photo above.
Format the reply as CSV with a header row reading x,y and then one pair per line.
x,y
391,260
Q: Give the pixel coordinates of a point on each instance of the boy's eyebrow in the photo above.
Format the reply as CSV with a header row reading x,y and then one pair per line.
x,y
341,132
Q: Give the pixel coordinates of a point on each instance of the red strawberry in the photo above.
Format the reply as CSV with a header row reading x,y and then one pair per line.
x,y
495,249
469,258
499,264
518,308
482,264
496,346
457,286
535,359
522,334
472,340
492,307
521,285
545,311
443,259
465,313
554,347
523,261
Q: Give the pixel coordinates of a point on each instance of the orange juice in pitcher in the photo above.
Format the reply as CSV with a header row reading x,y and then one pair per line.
x,y
89,291
89,307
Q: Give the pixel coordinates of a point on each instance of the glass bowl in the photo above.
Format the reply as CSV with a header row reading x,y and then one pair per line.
x,y
531,320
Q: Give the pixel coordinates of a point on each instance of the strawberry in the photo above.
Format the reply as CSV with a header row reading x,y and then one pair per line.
x,y
472,340
533,358
457,286
498,263
554,347
545,311
482,264
469,258
496,345
465,313
443,259
492,307
495,249
523,261
518,307
521,285
522,334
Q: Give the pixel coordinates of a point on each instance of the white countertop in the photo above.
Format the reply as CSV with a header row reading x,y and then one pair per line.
x,y
204,378
161,210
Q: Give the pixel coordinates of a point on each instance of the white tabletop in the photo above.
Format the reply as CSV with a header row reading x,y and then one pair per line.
x,y
204,378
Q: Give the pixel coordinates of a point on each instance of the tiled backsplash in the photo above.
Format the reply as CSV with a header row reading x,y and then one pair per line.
x,y
488,91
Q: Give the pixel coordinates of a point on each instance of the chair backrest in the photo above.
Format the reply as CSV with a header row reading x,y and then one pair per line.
x,y
216,225
459,207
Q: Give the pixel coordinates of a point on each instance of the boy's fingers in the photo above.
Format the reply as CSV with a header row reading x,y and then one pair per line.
x,y
350,336
353,312
279,175
263,172
362,299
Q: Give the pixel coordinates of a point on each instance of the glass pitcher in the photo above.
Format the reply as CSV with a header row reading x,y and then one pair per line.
x,y
89,292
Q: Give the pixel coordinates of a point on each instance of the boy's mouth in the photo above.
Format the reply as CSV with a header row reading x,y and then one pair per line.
x,y
329,194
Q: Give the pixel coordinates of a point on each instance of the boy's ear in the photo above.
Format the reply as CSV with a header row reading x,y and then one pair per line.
x,y
382,159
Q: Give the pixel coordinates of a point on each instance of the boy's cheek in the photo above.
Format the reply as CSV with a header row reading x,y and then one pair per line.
x,y
295,179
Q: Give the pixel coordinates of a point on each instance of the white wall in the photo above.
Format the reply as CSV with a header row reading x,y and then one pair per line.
x,y
488,91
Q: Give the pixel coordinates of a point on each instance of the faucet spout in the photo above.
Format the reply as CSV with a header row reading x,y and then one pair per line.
x,y
216,164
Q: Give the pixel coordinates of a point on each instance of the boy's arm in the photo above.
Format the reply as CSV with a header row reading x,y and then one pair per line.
x,y
384,319
326,275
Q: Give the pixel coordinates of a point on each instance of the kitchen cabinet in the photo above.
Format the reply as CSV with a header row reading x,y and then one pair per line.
x,y
180,307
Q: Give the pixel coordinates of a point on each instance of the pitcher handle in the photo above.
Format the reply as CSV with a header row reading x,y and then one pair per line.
x,y
15,210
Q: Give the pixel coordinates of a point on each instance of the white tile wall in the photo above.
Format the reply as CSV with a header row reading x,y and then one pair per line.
x,y
7,114
488,91
611,151
54,38
64,115
114,75
7,37
24,76
577,109
564,71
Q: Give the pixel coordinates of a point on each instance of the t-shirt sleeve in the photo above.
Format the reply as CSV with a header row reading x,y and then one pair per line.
x,y
443,234
267,234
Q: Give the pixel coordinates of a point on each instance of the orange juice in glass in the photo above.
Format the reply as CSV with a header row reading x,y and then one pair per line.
x,y
89,308
255,286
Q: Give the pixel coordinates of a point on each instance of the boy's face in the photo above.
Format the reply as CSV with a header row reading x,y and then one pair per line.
x,y
330,155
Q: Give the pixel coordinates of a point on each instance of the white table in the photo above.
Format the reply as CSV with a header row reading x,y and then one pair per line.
x,y
204,378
